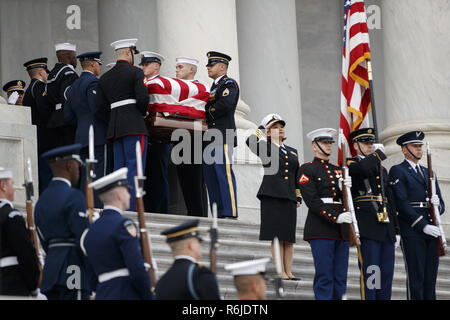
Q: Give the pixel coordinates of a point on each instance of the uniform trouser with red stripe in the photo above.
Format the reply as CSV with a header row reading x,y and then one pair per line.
x,y
220,181
125,156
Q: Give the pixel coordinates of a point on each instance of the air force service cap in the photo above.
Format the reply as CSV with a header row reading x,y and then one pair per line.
x,y
185,230
270,119
5,173
187,60
215,57
249,267
412,137
125,43
148,56
65,46
363,135
90,56
322,134
37,63
70,152
14,85
116,179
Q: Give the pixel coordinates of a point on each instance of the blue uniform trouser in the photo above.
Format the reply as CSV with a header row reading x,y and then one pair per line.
x,y
331,265
157,194
377,268
220,181
125,156
421,263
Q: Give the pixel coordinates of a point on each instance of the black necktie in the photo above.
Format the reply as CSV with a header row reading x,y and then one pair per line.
x,y
419,171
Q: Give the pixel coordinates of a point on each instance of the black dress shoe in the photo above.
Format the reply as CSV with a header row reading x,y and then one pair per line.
x,y
230,218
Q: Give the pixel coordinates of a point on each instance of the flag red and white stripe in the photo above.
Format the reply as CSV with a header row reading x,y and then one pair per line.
x,y
184,97
355,93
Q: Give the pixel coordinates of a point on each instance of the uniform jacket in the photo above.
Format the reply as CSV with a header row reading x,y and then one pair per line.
x,y
59,80
122,82
60,218
111,244
36,98
320,179
81,110
221,106
21,279
409,187
173,285
367,168
284,184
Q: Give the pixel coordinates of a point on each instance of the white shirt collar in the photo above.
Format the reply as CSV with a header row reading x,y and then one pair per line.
x,y
7,202
182,256
112,208
218,79
412,164
62,179
361,156
88,71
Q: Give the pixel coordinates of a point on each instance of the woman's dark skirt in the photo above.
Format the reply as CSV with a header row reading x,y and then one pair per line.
x,y
278,219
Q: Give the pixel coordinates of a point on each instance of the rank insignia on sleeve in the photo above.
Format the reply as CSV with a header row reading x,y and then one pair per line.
x,y
131,228
303,179
225,92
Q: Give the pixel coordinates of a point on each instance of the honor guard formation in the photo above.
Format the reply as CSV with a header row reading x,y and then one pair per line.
x,y
102,150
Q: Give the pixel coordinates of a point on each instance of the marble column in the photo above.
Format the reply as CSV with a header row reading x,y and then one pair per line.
x,y
417,82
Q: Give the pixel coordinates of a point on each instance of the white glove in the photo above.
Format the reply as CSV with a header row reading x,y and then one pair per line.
x,y
13,98
344,217
95,215
432,230
435,200
38,295
397,241
377,146
348,181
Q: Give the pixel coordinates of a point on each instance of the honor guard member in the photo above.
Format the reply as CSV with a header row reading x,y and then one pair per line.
x,y
219,111
112,245
190,175
14,90
59,80
121,93
409,181
61,219
19,269
36,98
326,226
186,279
156,198
81,110
379,234
249,278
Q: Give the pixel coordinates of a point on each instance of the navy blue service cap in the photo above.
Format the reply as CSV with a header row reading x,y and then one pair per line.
x,y
90,56
215,57
117,178
70,152
14,85
363,135
185,230
37,63
413,137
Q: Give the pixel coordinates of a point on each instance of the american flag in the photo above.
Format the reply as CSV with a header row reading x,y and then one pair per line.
x,y
184,97
355,94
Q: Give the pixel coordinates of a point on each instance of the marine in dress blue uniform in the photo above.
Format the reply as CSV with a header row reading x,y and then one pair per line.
x,y
186,279
219,110
327,225
81,110
112,245
36,98
19,270
409,181
122,94
61,219
378,235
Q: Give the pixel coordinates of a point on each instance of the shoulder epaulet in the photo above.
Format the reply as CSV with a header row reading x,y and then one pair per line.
x,y
350,161
199,264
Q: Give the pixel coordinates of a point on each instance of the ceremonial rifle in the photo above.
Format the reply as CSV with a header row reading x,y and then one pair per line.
x,y
145,239
30,221
435,215
90,175
214,237
279,290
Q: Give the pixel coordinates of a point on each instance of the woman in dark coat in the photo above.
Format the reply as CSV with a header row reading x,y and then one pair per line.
x,y
279,192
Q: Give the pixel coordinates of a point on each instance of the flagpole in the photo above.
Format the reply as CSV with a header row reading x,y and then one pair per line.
x,y
372,99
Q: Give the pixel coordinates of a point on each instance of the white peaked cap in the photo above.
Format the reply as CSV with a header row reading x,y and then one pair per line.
x,y
271,119
325,133
124,43
187,60
150,54
6,173
115,179
249,267
65,46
